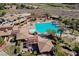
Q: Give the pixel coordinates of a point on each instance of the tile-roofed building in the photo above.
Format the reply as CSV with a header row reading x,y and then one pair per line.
x,y
15,28
10,17
24,14
5,27
33,40
14,6
7,7
45,46
10,7
21,32
20,36
3,33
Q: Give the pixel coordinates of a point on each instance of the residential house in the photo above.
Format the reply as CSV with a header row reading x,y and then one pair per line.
x,y
7,7
3,28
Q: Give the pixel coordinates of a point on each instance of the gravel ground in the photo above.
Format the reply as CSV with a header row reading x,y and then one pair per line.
x,y
2,53
56,12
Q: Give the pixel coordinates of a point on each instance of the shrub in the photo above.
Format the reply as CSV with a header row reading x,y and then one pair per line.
x,y
17,50
2,13
58,51
51,32
1,41
34,19
2,6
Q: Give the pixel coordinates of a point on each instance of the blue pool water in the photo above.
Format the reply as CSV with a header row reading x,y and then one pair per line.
x,y
43,27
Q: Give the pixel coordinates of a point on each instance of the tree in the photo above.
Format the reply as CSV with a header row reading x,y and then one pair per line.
x,y
61,31
47,15
51,35
23,6
76,48
60,18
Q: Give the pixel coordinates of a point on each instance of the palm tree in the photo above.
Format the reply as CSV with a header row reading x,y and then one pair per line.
x,y
61,31
52,36
51,32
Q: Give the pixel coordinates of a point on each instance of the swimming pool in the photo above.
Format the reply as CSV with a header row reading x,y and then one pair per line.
x,y
44,26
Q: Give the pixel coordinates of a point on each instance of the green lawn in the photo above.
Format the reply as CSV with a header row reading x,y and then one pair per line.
x,y
67,40
59,51
10,50
70,42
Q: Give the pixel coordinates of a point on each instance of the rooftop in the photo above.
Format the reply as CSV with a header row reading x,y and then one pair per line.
x,y
45,45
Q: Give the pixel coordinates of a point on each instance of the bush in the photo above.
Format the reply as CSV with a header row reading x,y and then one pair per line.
x,y
35,53
2,13
51,32
34,19
22,6
60,40
18,43
17,50
76,47
60,18
1,41
2,6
